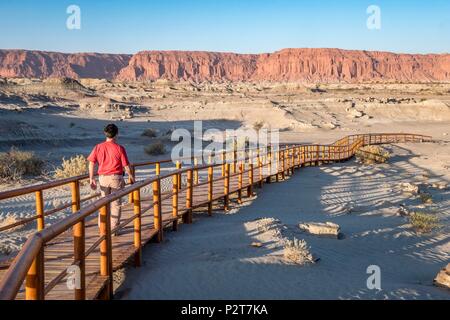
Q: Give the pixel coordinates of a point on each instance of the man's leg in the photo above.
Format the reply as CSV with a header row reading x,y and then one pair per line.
x,y
104,190
117,183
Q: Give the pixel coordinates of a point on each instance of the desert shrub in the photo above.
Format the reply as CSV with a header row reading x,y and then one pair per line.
x,y
9,220
75,166
15,164
426,198
423,222
5,249
266,224
372,155
155,149
297,251
151,133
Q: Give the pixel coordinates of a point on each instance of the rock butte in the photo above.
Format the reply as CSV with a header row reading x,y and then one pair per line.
x,y
294,65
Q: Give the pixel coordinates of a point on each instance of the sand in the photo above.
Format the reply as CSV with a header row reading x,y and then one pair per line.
x,y
213,258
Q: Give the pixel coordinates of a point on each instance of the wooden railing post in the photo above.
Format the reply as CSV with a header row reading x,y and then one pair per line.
x,y
269,164
235,156
283,171
292,160
34,283
287,157
132,170
189,193
260,169
79,242
224,159
250,179
317,155
278,164
40,210
35,279
322,155
175,201
310,155
226,188
240,181
158,169
303,150
106,249
137,228
157,216
195,171
210,189
178,167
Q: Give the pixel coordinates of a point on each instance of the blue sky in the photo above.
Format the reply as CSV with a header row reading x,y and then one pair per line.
x,y
245,26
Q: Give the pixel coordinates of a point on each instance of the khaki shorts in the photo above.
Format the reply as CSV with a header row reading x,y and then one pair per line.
x,y
110,184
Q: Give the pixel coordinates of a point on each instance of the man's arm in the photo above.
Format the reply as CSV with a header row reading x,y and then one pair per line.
x,y
129,173
91,175
126,164
92,160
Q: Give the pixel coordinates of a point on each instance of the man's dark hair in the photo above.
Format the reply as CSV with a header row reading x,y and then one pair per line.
x,y
111,131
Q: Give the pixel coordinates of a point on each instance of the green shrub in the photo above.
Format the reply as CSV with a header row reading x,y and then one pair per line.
x,y
372,154
75,166
15,164
151,133
423,222
155,149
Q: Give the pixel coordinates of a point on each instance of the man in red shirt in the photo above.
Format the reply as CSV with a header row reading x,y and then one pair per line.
x,y
112,160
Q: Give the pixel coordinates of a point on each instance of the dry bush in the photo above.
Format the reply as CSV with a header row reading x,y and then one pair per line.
x,y
423,222
266,224
9,220
75,166
426,198
297,251
151,133
372,155
15,164
5,249
155,149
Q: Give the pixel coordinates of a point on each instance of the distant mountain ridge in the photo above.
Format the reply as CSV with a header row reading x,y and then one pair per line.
x,y
43,64
287,65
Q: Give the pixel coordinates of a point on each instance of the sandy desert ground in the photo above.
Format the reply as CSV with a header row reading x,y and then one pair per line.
x,y
214,259
61,118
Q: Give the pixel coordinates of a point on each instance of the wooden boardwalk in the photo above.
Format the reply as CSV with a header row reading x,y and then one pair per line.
x,y
41,268
59,252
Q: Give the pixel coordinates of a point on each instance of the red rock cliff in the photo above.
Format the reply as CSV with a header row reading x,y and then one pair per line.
x,y
304,65
189,65
41,64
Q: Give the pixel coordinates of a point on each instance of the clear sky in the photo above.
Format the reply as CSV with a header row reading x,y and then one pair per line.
x,y
245,26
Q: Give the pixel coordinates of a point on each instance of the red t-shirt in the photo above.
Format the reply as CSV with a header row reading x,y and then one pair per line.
x,y
110,156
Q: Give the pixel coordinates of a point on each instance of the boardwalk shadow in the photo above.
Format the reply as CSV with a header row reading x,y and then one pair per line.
x,y
213,259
